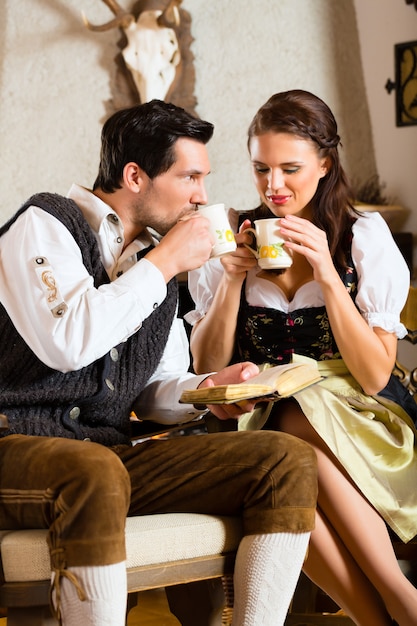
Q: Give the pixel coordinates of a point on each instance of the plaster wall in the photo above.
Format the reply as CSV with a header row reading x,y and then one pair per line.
x,y
55,78
382,24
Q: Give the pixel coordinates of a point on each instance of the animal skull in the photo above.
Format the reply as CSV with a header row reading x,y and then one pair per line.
x,y
152,53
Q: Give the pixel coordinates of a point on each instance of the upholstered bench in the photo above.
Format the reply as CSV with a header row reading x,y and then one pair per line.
x,y
162,550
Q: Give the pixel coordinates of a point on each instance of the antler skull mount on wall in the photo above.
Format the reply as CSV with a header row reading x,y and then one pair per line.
x,y
156,49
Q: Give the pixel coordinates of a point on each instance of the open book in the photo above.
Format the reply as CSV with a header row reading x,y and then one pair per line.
x,y
279,381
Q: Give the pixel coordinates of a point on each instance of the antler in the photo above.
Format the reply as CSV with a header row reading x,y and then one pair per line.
x,y
170,17
123,19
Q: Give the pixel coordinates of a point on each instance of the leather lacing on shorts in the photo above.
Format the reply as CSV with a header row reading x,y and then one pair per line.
x,y
55,591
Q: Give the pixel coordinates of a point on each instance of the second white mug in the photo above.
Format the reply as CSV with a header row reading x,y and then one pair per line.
x,y
224,239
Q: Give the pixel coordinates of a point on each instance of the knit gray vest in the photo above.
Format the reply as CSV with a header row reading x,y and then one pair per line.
x,y
94,402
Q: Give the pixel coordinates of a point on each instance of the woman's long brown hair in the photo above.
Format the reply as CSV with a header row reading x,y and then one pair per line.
x,y
301,113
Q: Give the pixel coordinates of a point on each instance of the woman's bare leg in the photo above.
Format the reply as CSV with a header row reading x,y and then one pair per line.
x,y
361,531
331,567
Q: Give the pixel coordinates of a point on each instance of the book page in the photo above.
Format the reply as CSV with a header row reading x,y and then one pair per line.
x,y
273,382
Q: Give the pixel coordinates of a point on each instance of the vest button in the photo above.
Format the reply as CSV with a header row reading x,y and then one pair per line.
x,y
114,354
109,384
86,439
75,413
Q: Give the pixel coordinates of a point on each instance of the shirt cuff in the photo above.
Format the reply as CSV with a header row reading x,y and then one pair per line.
x,y
146,281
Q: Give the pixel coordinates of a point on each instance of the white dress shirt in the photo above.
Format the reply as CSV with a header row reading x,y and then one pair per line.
x,y
95,319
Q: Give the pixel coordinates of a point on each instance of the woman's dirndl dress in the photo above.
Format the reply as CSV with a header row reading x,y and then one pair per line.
x,y
374,438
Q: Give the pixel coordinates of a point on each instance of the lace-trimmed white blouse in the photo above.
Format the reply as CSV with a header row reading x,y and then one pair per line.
x,y
383,281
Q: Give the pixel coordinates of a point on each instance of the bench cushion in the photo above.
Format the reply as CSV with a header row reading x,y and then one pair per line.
x,y
150,539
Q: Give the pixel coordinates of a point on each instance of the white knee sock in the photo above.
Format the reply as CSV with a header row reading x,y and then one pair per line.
x,y
105,590
266,573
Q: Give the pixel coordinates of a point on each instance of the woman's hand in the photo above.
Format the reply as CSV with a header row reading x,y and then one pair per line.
x,y
217,329
238,263
311,242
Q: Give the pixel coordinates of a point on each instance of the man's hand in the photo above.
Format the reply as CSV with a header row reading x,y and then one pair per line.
x,y
238,373
186,246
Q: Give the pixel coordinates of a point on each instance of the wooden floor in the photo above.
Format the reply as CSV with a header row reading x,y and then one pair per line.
x,y
153,611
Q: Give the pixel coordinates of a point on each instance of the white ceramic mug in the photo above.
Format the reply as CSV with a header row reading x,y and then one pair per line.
x,y
224,239
270,250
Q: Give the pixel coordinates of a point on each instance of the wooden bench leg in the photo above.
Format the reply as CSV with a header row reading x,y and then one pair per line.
x,y
304,598
31,616
132,601
198,602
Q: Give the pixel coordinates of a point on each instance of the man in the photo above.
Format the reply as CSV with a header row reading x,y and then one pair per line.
x,y
90,333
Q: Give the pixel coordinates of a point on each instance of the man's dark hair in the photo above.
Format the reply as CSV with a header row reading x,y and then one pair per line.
x,y
146,135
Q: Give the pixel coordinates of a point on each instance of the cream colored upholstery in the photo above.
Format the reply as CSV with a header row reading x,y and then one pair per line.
x,y
162,550
151,539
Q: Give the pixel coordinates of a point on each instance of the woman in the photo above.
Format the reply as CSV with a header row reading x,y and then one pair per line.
x,y
339,303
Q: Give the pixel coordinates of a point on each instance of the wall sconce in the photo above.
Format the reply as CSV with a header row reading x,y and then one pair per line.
x,y
405,84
